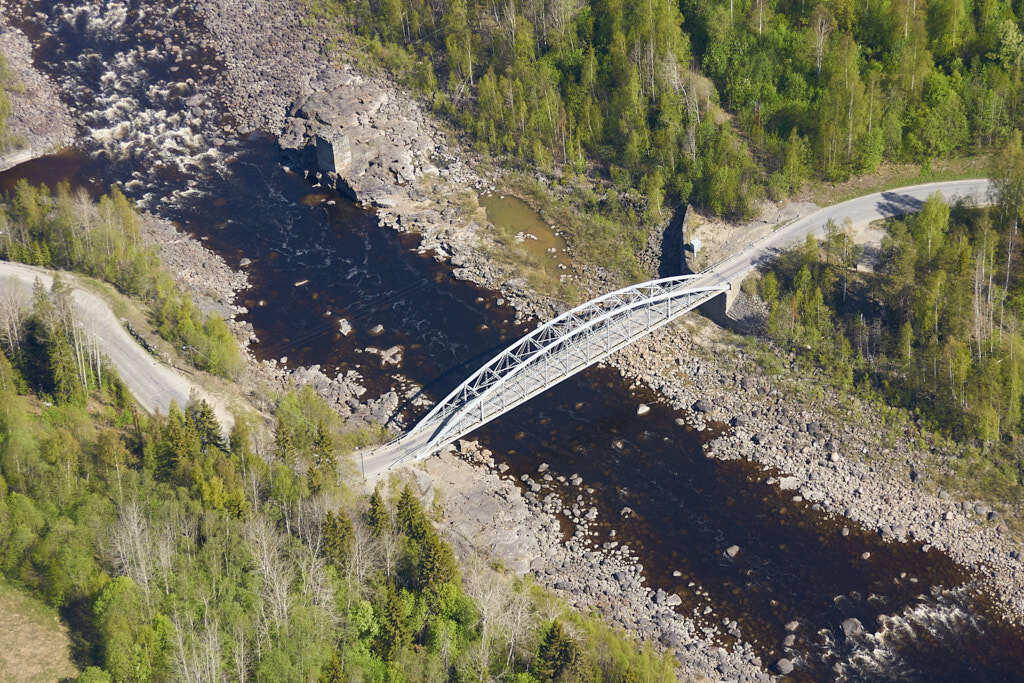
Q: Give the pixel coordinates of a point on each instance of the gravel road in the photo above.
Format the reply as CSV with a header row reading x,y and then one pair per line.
x,y
153,384
860,211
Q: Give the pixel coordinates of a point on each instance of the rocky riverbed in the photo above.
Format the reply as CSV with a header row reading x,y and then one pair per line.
x,y
39,122
838,454
372,141
520,524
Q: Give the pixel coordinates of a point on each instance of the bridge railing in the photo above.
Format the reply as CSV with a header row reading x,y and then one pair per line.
x,y
512,357
581,347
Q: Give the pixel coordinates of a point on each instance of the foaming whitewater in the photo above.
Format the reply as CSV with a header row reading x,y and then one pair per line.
x,y
141,88
933,627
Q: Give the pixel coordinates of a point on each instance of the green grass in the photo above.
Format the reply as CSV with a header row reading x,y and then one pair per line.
x,y
596,238
891,176
363,437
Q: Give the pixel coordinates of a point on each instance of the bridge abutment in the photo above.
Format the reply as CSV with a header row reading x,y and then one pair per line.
x,y
717,309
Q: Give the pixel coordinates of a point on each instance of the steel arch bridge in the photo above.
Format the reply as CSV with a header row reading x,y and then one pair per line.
x,y
553,352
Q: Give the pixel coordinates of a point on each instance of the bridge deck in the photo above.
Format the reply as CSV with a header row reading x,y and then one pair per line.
x,y
587,334
594,339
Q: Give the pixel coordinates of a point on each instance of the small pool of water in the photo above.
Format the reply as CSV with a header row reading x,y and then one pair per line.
x,y
521,228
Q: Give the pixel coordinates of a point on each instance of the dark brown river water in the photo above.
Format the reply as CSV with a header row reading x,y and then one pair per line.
x,y
244,202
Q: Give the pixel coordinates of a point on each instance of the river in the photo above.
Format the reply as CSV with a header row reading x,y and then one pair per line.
x,y
152,128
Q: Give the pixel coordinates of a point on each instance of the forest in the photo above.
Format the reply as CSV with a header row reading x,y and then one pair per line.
x,y
103,240
716,102
936,329
174,551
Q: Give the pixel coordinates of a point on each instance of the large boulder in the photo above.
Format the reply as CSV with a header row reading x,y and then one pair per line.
x,y
333,153
852,627
789,483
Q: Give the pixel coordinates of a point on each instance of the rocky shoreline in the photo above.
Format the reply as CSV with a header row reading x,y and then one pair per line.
x,y
827,457
375,143
39,122
211,282
486,511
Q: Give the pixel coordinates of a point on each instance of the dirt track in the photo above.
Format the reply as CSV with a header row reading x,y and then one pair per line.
x,y
153,384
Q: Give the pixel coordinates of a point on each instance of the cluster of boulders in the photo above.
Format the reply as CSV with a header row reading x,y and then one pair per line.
x,y
38,122
544,524
846,461
269,57
343,392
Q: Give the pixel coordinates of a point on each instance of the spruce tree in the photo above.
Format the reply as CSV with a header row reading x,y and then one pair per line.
x,y
64,377
393,635
377,515
556,655
174,443
206,425
410,514
337,538
325,465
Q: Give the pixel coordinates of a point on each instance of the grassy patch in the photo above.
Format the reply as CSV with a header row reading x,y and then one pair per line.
x,y
769,362
364,437
891,176
34,644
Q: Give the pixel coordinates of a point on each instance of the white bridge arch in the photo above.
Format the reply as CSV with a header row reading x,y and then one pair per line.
x,y
553,352
588,333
